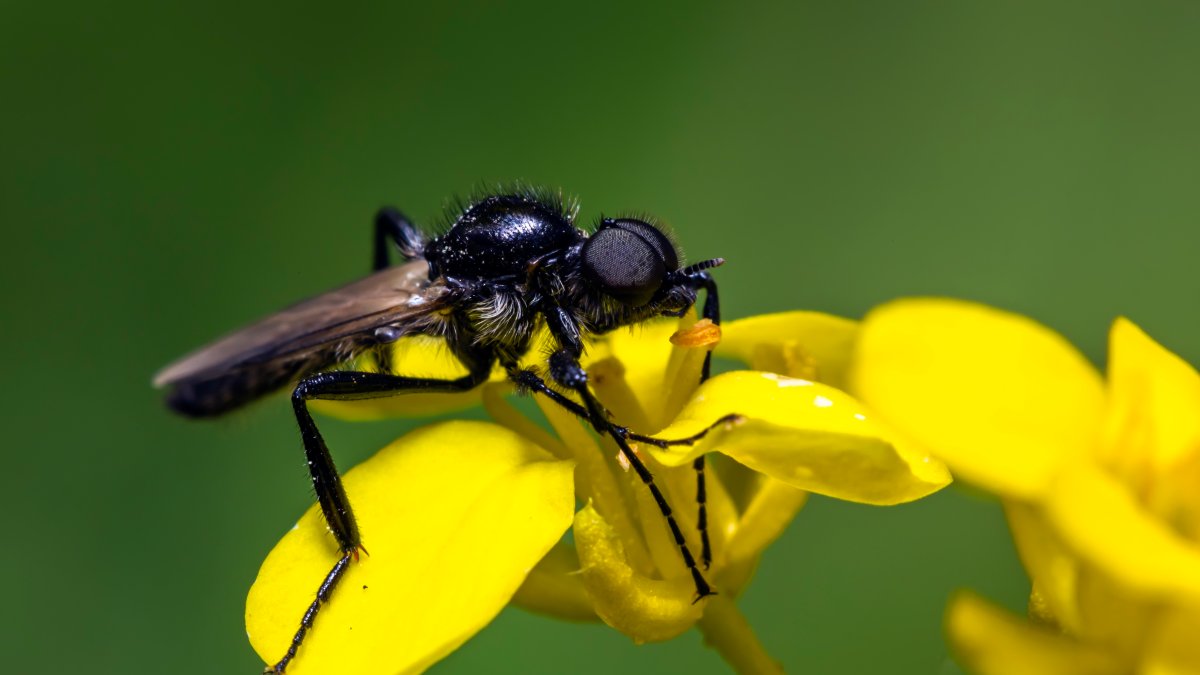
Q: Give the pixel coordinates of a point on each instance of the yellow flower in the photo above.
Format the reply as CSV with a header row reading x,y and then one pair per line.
x,y
1100,480
463,517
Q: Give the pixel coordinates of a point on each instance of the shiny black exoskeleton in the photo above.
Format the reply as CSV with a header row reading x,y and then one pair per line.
x,y
507,265
512,260
498,238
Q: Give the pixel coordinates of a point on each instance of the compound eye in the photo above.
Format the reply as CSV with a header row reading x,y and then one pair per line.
x,y
629,260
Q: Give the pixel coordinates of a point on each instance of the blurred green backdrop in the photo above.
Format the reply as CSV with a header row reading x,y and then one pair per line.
x,y
173,170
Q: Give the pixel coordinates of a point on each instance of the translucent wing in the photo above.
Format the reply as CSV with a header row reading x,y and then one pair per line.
x,y
309,335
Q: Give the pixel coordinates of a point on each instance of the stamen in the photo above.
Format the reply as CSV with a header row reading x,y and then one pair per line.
x,y
704,333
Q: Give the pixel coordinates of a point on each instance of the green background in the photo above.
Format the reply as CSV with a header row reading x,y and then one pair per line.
x,y
173,170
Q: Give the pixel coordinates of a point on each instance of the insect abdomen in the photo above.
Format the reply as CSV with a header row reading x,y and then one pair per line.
x,y
233,389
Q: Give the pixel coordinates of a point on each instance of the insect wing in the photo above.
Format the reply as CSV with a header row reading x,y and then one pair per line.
x,y
397,296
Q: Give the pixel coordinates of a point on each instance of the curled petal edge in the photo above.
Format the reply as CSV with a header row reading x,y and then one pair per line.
x,y
806,434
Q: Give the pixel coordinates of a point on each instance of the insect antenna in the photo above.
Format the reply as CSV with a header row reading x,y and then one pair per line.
x,y
701,266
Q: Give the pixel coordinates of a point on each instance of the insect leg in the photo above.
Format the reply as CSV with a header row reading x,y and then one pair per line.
x,y
565,369
331,495
343,385
391,224
531,381
712,312
323,592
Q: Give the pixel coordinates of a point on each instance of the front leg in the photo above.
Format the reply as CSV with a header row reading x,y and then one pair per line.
x,y
712,312
390,224
566,371
530,381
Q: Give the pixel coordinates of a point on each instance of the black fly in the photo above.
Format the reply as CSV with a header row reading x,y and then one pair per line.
x,y
509,264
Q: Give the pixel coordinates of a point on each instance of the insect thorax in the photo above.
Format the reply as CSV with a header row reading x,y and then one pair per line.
x,y
499,237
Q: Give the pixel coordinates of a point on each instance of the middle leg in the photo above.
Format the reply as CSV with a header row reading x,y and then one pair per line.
x,y
712,312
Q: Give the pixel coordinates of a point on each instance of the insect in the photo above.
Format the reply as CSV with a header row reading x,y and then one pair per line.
x,y
508,265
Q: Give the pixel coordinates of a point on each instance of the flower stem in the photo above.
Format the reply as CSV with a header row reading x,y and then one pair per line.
x,y
727,631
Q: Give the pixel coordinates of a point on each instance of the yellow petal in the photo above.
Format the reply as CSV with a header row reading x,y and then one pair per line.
x,y
415,356
808,345
664,552
1154,402
806,434
989,641
504,413
768,514
679,485
639,375
1112,615
454,516
1099,520
554,587
1174,649
773,507
647,610
596,480
1003,400
1052,568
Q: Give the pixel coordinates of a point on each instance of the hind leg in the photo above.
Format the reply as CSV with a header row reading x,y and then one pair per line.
x,y
335,505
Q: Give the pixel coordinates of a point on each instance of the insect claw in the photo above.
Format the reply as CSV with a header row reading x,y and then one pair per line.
x,y
358,548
